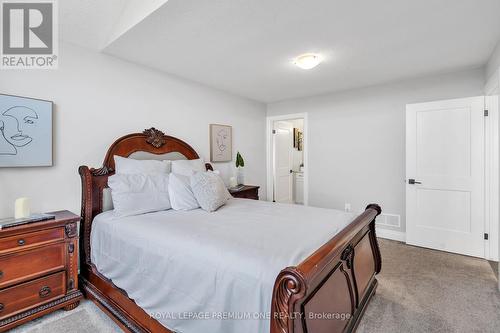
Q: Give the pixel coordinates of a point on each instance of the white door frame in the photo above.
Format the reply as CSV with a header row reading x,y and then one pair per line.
x,y
444,236
492,168
492,147
269,152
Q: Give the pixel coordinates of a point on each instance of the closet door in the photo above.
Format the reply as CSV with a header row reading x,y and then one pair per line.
x,y
445,176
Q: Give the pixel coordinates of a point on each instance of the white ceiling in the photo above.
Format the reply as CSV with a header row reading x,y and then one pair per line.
x,y
89,23
246,47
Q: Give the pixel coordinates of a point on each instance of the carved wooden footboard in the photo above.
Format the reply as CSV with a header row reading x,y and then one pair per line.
x,y
329,291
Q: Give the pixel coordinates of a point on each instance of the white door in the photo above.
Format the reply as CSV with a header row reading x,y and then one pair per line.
x,y
283,142
445,175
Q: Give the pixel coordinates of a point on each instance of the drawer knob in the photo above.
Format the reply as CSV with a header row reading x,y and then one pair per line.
x,y
1,307
1,274
44,292
21,242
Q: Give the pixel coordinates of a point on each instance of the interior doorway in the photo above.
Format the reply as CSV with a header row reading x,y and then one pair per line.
x,y
287,156
445,170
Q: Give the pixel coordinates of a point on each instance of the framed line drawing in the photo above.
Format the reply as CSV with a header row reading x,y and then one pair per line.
x,y
221,143
25,131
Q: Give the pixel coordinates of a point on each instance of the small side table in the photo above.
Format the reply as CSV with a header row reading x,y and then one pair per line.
x,y
246,192
38,269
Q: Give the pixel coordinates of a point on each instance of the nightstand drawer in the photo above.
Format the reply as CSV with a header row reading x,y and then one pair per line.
x,y
245,192
251,194
20,297
28,240
23,266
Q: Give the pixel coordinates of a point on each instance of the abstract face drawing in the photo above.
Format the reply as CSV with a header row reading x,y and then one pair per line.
x,y
222,140
16,128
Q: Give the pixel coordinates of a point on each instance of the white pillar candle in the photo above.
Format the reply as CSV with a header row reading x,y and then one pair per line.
x,y
22,209
232,182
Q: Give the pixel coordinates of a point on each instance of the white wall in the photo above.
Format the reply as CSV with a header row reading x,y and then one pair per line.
x,y
99,98
494,63
357,138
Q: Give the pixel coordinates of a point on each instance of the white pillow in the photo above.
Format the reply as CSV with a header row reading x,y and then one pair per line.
x,y
209,190
127,166
181,196
139,194
188,167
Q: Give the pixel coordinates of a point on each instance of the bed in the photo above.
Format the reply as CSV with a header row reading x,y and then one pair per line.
x,y
263,267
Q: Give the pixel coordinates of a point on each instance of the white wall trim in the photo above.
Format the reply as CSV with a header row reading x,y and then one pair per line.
x,y
491,178
492,149
396,235
269,152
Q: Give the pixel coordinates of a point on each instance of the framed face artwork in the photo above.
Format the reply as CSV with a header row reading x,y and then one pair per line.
x,y
221,143
25,132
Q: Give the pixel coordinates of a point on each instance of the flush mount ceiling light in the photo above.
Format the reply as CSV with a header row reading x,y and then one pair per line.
x,y
307,60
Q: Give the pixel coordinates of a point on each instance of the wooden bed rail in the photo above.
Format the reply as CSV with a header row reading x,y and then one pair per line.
x,y
330,274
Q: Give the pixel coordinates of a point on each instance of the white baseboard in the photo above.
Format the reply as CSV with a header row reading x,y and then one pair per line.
x,y
493,258
391,234
401,237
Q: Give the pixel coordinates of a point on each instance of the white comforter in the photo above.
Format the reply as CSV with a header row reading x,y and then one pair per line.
x,y
191,269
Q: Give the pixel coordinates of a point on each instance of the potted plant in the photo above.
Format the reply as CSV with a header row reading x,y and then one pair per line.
x,y
240,164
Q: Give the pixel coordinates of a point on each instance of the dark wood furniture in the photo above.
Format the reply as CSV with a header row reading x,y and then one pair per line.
x,y
246,192
337,279
38,269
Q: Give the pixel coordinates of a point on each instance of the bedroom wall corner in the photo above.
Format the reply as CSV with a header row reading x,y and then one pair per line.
x,y
493,65
99,98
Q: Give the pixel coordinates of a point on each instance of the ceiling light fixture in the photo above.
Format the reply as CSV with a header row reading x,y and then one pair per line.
x,y
307,60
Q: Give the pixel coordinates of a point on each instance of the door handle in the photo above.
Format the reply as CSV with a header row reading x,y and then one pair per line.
x,y
412,181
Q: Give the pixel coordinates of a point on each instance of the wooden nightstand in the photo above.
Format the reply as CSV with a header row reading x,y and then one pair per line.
x,y
38,269
246,192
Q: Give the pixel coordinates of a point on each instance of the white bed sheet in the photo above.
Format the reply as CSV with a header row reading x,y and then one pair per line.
x,y
189,268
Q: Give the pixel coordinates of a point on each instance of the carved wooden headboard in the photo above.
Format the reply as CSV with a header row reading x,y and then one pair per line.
x,y
94,181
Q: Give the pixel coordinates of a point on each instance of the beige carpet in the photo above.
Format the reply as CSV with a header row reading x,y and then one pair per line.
x,y
419,290
86,318
423,290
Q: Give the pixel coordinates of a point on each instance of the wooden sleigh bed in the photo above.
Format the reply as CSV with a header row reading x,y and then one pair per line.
x,y
338,278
